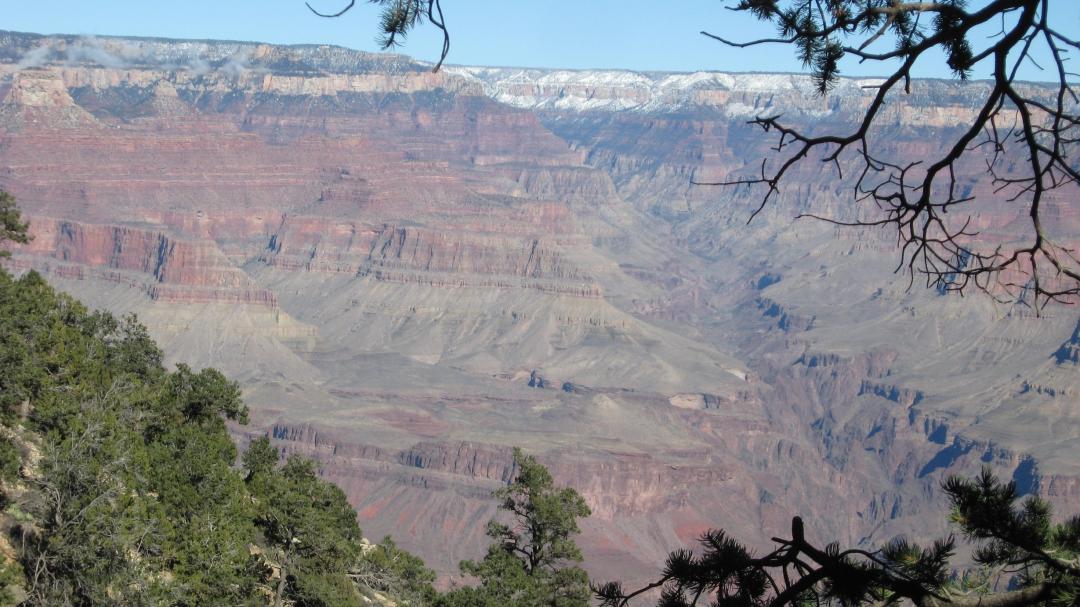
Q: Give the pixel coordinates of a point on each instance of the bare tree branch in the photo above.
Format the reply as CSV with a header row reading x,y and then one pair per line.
x,y
1024,162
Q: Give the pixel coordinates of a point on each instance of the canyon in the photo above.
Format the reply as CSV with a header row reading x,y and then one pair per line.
x,y
410,273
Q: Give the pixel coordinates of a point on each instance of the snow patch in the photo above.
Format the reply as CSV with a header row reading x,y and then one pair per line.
x,y
737,95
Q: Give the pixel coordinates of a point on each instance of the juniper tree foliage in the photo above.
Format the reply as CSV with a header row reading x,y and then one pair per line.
x,y
388,569
1012,540
133,499
12,228
532,561
309,526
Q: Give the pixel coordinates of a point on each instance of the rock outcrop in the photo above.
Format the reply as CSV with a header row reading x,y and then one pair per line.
x,y
1069,352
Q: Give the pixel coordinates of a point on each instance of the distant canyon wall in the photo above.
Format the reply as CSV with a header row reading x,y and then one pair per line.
x,y
412,273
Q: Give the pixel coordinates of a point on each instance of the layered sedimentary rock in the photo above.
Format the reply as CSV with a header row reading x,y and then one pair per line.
x,y
411,273
167,268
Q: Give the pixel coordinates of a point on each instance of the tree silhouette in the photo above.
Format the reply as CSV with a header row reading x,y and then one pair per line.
x,y
1016,541
1014,125
398,18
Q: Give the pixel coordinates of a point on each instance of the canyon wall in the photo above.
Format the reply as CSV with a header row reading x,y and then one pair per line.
x,y
412,273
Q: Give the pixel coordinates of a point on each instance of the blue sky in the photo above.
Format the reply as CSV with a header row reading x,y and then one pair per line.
x,y
627,34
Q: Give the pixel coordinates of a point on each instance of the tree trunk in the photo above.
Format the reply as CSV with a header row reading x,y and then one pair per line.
x,y
280,593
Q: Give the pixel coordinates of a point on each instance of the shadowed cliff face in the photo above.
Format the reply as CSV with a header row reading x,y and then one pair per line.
x,y
411,273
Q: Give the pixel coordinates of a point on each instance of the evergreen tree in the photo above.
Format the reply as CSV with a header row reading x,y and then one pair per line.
x,y
309,524
531,562
394,572
12,228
